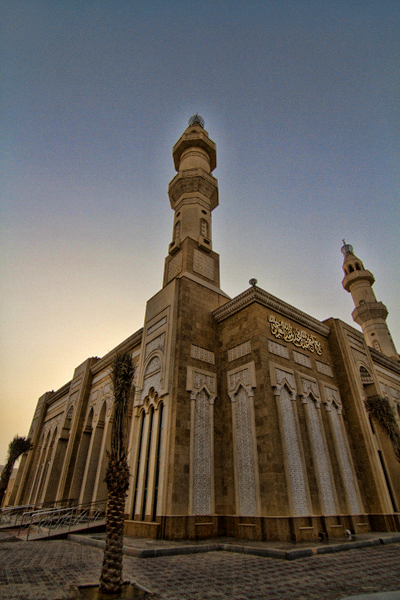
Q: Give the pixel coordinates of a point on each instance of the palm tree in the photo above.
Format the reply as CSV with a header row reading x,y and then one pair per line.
x,y
117,476
379,409
18,446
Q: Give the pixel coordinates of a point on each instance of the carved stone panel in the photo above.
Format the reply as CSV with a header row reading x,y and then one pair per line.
x,y
245,456
296,481
157,325
239,351
203,264
301,359
202,354
278,349
175,266
324,368
322,465
345,462
156,344
202,455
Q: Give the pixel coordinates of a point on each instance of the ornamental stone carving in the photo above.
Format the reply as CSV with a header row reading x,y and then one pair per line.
x,y
157,325
296,480
322,463
239,351
349,479
324,368
308,387
203,264
156,344
245,456
301,359
281,376
202,354
175,266
202,455
333,399
278,349
298,337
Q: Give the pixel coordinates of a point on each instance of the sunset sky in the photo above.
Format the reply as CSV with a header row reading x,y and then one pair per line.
x,y
301,97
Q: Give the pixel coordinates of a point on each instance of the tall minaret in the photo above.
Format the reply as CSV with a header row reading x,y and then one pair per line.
x,y
193,194
368,313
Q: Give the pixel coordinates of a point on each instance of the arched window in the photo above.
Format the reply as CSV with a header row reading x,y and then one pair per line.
x,y
177,231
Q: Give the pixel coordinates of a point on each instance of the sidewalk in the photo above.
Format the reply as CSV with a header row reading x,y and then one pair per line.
x,y
49,570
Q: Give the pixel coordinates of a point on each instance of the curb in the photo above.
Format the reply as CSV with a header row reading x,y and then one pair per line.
x,y
267,552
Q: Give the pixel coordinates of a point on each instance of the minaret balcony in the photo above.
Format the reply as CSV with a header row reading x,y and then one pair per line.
x,y
362,275
193,182
369,311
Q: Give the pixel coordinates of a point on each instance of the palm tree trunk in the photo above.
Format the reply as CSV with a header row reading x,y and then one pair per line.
x,y
117,478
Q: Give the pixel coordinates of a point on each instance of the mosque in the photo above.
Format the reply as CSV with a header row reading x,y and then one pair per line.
x,y
248,416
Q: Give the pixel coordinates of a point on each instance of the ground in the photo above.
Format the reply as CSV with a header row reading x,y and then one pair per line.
x,y
46,570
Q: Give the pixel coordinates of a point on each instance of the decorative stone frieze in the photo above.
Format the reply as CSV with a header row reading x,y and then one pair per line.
x,y
201,504
283,377
324,368
175,266
359,356
321,458
156,344
197,379
245,455
239,351
300,338
203,264
157,325
244,376
332,399
256,294
310,386
202,354
296,479
348,476
278,349
302,359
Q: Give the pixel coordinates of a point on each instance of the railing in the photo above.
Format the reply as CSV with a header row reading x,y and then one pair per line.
x,y
12,515
48,521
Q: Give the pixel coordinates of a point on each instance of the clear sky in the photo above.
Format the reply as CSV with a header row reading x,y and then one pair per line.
x,y
302,100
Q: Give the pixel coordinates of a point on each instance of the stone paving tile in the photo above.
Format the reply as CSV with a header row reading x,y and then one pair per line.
x,y
45,570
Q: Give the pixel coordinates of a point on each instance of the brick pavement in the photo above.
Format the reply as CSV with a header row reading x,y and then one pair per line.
x,y
46,570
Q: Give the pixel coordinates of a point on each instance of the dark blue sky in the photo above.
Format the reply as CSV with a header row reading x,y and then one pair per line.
x,y
302,100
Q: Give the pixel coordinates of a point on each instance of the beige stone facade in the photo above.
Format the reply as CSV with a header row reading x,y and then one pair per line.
x,y
247,417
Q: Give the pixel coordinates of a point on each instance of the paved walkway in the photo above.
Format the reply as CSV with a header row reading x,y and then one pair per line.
x,y
47,570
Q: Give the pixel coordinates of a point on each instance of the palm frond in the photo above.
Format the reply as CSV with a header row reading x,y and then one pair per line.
x,y
379,409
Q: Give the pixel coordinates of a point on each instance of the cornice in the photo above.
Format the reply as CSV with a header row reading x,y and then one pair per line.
x,y
62,391
124,346
256,294
384,361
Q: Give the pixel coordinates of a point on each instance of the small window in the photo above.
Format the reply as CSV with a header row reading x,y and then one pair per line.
x,y
204,228
177,232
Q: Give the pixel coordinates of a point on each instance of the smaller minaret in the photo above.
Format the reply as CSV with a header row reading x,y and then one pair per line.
x,y
368,313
